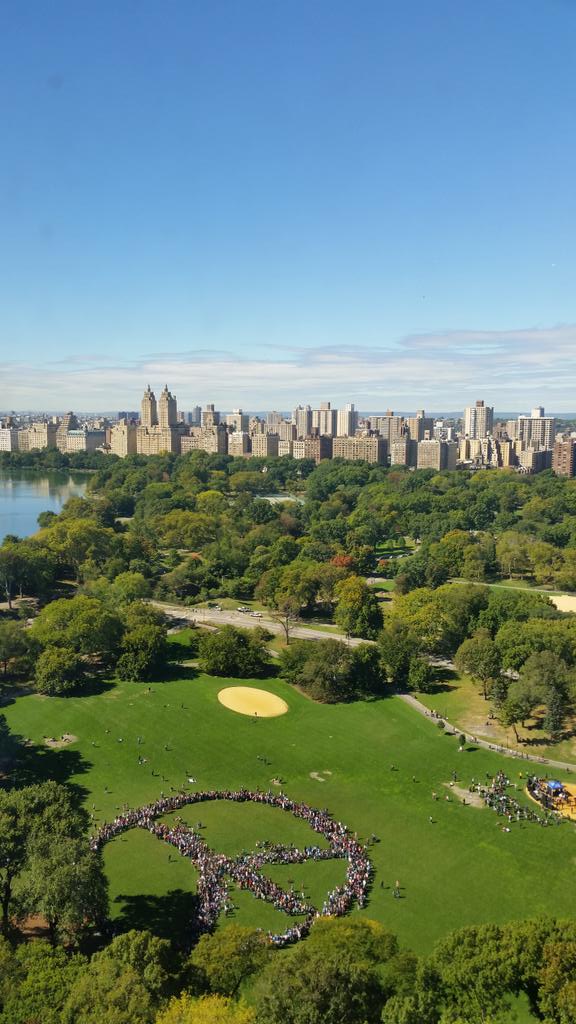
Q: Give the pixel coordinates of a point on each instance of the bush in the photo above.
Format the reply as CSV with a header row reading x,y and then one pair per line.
x,y
58,670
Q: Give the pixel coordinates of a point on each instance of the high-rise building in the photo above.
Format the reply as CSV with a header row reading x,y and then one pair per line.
x,y
264,445
123,437
346,422
390,427
316,448
437,455
8,439
237,420
206,439
302,417
148,409
365,449
420,425
239,443
273,421
478,420
403,452
167,410
195,416
537,430
325,420
210,417
564,457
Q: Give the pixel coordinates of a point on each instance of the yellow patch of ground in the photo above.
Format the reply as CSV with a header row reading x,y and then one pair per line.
x,y
564,603
247,700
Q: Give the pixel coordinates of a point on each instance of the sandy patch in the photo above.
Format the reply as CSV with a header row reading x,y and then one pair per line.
x,y
474,799
64,741
318,776
564,603
247,700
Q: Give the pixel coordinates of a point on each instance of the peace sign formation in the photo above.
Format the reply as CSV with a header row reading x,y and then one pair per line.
x,y
214,869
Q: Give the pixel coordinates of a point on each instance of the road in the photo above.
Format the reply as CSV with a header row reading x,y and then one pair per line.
x,y
228,617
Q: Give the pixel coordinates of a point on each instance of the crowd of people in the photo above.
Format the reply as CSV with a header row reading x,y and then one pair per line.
x,y
245,870
552,795
496,793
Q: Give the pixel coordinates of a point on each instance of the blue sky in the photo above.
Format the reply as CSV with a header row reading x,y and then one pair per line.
x,y
263,202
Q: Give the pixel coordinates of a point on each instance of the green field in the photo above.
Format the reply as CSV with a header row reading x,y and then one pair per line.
x,y
459,869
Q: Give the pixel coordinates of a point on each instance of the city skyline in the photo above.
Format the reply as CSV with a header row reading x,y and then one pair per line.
x,y
242,197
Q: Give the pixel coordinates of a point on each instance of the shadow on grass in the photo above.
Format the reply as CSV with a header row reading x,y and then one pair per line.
x,y
23,763
172,916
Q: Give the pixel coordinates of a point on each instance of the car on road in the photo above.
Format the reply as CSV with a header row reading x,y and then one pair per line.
x,y
256,615
242,608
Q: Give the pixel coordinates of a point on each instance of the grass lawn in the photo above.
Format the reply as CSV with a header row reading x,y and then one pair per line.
x,y
458,698
459,869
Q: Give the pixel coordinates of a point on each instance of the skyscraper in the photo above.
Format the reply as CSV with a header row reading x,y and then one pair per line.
x,y
149,409
167,410
346,421
478,420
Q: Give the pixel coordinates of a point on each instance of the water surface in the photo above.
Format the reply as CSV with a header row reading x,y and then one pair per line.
x,y
25,493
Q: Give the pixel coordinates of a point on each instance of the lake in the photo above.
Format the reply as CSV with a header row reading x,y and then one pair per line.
x,y
25,493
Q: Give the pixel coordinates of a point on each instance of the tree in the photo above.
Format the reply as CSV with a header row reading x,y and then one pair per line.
x,y
42,980
58,670
310,986
150,957
397,648
13,836
229,956
233,652
81,623
64,881
479,656
420,675
286,614
14,645
144,653
108,992
205,1010
357,610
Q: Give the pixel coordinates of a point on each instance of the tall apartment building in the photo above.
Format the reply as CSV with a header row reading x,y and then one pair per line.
x,y
403,452
159,430
68,422
346,421
419,425
287,431
325,420
433,454
148,409
478,420
365,449
285,447
206,439
237,420
8,439
537,430
564,457
37,435
302,417
167,410
256,425
390,427
210,417
316,448
265,445
239,444
273,421
123,438
84,440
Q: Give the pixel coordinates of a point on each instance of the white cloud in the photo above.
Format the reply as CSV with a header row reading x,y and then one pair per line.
x,y
441,370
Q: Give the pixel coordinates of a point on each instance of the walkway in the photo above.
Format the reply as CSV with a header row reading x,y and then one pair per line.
x,y
485,744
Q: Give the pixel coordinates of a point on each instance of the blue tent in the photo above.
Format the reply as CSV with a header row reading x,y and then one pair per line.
x,y
554,784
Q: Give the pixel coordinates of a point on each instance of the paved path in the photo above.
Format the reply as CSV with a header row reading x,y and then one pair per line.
x,y
228,617
495,747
